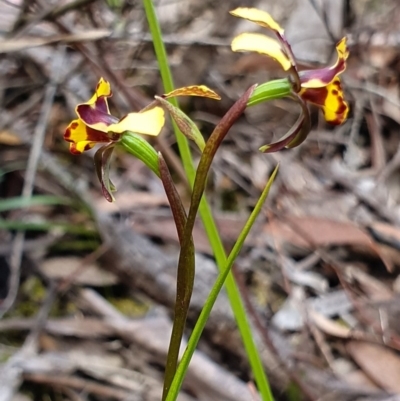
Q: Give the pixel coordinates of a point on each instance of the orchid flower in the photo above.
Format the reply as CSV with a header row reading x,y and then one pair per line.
x,y
319,86
96,125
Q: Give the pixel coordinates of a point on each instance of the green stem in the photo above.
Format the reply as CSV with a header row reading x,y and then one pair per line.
x,y
206,216
169,86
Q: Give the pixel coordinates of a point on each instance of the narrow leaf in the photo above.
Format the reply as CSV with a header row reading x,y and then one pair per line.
x,y
20,202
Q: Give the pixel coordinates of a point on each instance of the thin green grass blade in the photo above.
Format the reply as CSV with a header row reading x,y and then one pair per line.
x,y
45,226
36,200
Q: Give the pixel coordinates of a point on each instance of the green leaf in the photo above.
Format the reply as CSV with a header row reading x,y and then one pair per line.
x,y
45,226
21,202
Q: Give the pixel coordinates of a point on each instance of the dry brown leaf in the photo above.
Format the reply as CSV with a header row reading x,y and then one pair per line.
x,y
308,231
381,364
63,267
374,289
387,232
329,326
9,138
360,379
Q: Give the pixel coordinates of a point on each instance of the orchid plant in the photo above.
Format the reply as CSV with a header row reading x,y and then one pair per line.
x,y
96,125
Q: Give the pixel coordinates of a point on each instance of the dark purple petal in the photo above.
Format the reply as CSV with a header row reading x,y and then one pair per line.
x,y
94,117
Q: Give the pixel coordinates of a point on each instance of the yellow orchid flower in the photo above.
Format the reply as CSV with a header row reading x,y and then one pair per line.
x,y
95,124
319,86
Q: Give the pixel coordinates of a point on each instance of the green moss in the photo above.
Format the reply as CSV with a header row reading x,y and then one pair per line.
x,y
30,297
129,307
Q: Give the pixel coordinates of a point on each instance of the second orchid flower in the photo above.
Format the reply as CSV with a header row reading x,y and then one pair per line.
x,y
321,86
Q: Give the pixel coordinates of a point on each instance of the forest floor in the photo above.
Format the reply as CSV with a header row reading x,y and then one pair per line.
x,y
87,287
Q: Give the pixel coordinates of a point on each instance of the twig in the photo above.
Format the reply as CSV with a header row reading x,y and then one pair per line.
x,y
372,89
79,384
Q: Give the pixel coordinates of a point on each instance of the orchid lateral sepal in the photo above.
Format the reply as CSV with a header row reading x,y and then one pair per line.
x,y
135,145
297,134
102,159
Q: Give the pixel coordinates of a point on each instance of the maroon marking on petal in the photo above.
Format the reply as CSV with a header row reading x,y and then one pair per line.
x,y
341,112
91,116
94,135
74,125
73,150
335,92
88,147
67,134
315,95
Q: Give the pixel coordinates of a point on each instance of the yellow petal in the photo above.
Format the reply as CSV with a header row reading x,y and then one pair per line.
x,y
78,131
194,90
331,99
341,48
149,122
262,44
83,137
103,88
80,147
260,17
335,108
